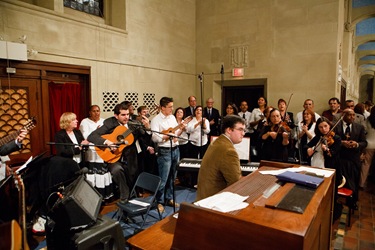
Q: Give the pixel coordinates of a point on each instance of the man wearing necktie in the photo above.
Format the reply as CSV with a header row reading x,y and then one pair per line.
x,y
245,114
189,110
213,116
353,143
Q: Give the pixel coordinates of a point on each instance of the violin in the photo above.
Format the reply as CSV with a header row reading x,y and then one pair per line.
x,y
329,138
283,127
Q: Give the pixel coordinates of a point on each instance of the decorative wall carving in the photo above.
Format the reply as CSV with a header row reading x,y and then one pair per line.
x,y
110,99
239,56
14,114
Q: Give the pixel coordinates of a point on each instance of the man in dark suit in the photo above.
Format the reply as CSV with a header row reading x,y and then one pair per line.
x,y
189,110
213,115
353,142
125,169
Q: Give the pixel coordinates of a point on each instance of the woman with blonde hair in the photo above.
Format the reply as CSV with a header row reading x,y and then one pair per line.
x,y
69,139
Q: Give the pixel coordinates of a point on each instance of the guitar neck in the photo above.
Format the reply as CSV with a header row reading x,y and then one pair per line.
x,y
22,209
8,138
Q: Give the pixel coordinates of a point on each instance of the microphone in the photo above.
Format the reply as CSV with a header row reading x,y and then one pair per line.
x,y
222,69
84,170
138,125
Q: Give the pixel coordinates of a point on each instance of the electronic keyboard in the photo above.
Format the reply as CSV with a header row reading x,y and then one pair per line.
x,y
194,165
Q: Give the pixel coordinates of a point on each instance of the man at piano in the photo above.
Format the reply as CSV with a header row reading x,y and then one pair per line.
x,y
220,166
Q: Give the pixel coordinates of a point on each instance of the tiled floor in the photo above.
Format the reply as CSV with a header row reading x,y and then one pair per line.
x,y
360,235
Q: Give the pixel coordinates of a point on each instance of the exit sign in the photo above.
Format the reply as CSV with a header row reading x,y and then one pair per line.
x,y
237,71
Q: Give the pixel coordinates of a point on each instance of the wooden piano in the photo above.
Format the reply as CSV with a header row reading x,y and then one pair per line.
x,y
255,227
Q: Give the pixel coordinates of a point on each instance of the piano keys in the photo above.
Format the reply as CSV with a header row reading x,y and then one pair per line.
x,y
191,164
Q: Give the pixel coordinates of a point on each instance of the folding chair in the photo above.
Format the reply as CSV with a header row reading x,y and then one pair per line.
x,y
141,205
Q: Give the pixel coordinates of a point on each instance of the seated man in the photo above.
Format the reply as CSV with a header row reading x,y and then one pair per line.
x,y
124,170
221,165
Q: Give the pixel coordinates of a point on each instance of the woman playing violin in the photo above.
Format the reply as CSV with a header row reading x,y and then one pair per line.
x,y
324,149
275,137
325,146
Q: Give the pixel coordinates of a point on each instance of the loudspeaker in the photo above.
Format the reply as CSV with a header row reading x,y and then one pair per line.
x,y
105,234
79,206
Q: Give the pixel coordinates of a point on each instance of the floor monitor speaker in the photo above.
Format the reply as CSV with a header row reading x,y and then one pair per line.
x,y
79,205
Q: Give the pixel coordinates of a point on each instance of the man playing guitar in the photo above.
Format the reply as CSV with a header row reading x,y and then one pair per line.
x,y
118,136
10,147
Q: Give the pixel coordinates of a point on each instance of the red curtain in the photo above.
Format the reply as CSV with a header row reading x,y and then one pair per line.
x,y
63,98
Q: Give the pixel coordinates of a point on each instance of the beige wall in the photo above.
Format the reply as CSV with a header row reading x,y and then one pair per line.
x,y
155,54
294,44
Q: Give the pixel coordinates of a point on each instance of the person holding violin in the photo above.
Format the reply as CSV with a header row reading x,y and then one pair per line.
x,y
286,116
306,131
287,119
275,137
324,150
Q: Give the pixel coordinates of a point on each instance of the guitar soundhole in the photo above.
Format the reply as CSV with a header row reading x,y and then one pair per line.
x,y
120,138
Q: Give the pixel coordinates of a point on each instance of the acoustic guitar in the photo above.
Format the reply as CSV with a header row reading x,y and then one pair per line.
x,y
19,239
123,137
10,235
29,125
172,130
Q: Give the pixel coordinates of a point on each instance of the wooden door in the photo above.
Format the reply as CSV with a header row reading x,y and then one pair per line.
x,y
19,102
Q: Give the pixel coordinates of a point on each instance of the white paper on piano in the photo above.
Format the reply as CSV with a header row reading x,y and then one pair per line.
x,y
224,202
317,171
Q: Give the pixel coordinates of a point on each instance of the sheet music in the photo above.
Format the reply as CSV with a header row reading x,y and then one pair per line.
x,y
318,171
224,202
24,165
139,203
242,148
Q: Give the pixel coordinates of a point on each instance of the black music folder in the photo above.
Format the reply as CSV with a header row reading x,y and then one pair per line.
x,y
302,179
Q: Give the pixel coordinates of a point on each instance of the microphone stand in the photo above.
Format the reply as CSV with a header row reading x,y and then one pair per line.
x,y
172,172
200,77
299,146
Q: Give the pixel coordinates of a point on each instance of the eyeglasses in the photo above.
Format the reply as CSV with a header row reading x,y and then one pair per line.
x,y
240,129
